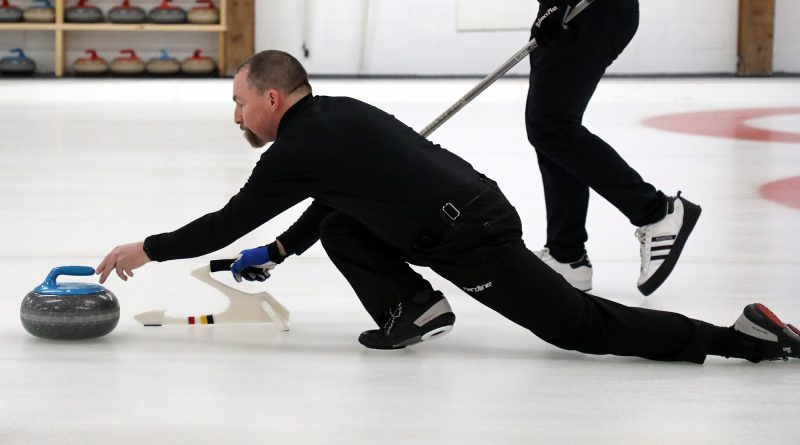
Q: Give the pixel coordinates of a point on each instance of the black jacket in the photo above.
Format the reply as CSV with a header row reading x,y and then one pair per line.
x,y
348,156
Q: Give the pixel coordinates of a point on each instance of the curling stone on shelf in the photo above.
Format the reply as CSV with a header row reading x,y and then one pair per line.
x,y
128,66
127,13
18,65
198,64
163,65
9,13
43,13
93,65
83,12
204,15
69,311
166,13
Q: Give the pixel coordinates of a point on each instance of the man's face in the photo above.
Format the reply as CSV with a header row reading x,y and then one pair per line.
x,y
255,113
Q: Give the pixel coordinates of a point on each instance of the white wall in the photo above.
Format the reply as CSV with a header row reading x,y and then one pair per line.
x,y
787,36
419,37
701,38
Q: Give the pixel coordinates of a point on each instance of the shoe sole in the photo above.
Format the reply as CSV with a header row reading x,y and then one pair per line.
x,y
691,213
436,332
792,332
434,329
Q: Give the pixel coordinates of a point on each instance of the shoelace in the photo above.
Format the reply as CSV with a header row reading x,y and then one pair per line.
x,y
394,315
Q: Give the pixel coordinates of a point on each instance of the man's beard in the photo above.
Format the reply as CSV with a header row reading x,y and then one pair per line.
x,y
252,139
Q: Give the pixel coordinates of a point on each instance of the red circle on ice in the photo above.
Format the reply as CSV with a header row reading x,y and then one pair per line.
x,y
726,123
784,191
733,124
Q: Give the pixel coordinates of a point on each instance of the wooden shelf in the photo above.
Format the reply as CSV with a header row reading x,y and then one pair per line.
x,y
59,28
141,27
22,26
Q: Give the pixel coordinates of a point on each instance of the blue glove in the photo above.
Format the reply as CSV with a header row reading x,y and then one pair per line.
x,y
549,25
252,265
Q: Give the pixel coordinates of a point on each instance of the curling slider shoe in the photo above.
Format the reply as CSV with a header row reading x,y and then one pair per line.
x,y
776,339
409,323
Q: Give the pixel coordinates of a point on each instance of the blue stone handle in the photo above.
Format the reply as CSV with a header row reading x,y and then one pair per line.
x,y
19,52
50,281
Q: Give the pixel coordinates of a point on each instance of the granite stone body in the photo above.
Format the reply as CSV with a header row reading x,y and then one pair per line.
x,y
10,14
69,317
170,15
17,66
83,15
127,15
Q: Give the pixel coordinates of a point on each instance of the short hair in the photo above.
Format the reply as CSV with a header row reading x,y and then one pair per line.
x,y
273,69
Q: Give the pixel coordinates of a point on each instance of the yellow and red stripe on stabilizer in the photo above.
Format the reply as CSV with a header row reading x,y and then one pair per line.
x,y
203,319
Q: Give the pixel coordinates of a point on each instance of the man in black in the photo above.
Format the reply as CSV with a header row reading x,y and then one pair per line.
x,y
385,197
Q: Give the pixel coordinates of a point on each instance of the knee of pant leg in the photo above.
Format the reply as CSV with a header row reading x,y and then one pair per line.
x,y
547,136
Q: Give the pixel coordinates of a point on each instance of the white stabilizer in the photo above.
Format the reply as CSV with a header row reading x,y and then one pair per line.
x,y
243,308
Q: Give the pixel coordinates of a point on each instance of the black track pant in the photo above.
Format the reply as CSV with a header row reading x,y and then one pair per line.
x,y
563,79
482,253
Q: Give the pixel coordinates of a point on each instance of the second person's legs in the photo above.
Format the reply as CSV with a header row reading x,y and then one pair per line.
x,y
563,79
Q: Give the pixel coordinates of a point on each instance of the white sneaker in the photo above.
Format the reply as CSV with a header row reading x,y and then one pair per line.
x,y
577,274
661,243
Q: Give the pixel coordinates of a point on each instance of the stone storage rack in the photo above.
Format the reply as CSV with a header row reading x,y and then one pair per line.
x,y
60,27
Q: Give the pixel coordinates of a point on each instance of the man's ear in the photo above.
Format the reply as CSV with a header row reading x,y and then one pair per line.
x,y
274,99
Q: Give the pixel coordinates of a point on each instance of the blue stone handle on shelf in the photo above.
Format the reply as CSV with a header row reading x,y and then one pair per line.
x,y
44,4
20,54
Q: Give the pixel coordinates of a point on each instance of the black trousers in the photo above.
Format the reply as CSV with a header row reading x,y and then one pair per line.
x,y
563,78
482,252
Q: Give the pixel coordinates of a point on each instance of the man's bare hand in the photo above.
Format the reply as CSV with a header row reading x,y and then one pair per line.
x,y
123,259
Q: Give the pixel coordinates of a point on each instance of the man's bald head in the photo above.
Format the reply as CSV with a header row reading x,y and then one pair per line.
x,y
273,69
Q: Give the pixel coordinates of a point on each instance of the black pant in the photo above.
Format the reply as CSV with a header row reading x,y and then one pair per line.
x,y
563,78
482,252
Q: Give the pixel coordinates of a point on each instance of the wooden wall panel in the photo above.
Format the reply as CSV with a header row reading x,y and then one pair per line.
x,y
240,38
756,37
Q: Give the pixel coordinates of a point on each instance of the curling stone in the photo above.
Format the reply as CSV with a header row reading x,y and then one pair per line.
x,y
163,65
198,65
10,13
44,13
165,13
93,65
83,12
131,65
19,65
69,311
204,15
125,13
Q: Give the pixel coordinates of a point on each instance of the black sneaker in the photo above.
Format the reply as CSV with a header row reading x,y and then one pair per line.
x,y
661,243
409,323
777,340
